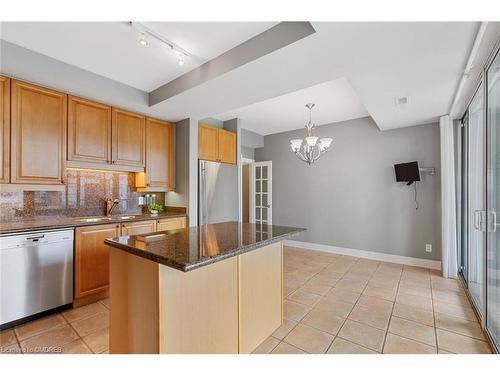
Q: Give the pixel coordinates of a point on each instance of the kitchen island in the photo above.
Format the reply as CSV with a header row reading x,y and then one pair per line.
x,y
216,288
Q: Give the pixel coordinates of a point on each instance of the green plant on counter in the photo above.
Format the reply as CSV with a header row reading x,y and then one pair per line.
x,y
155,207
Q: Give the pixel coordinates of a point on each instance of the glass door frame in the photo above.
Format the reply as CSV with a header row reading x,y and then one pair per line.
x,y
491,60
464,143
463,239
463,162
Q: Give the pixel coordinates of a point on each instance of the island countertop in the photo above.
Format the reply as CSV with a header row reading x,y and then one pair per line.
x,y
190,248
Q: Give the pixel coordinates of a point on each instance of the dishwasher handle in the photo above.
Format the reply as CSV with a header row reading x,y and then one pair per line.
x,y
35,238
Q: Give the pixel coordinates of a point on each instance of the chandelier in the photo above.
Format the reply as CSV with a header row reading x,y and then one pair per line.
x,y
311,148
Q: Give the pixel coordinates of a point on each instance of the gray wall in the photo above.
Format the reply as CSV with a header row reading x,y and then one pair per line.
x,y
234,126
350,198
249,142
186,169
213,121
180,197
251,139
248,153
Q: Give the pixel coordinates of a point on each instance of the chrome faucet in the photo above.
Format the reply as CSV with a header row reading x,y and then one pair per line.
x,y
110,205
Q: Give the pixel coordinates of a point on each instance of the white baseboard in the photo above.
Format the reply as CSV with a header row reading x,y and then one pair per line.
x,y
427,263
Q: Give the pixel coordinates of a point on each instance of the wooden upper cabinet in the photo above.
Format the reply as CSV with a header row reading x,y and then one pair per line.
x,y
92,258
227,147
216,144
89,131
208,142
38,134
4,130
129,138
160,154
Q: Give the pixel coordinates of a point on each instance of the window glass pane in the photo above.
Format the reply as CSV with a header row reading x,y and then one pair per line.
x,y
257,172
258,199
257,186
264,200
257,213
264,171
264,186
264,213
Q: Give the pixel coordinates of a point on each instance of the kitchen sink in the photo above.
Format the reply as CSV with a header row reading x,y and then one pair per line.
x,y
91,219
103,218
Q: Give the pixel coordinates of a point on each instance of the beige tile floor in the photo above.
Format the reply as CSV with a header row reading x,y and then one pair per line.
x,y
333,304
83,330
343,305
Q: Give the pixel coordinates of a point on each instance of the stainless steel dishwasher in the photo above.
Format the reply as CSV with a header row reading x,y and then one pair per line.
x,y
36,273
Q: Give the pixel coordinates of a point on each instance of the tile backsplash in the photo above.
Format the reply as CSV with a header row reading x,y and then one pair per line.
x,y
85,195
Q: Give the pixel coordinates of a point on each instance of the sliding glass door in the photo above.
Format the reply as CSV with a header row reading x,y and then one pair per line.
x,y
493,197
476,202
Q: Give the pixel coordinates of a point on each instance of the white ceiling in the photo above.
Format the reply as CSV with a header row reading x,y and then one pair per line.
x,y
334,101
111,49
380,60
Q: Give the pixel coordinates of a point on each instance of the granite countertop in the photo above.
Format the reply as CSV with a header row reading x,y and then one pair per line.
x,y
48,223
190,248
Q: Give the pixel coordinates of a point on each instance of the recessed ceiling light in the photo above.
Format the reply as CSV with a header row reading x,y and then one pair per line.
x,y
142,40
402,100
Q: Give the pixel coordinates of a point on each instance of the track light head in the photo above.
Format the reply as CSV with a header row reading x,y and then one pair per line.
x,y
142,40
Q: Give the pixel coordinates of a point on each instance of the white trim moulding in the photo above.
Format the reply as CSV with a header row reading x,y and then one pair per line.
x,y
409,261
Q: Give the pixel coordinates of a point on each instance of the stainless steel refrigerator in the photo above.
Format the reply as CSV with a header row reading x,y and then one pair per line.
x,y
217,192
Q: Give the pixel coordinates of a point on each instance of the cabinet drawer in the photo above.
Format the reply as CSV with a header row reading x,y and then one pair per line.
x,y
138,227
170,224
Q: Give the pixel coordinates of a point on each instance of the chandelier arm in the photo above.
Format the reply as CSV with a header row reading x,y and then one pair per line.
x,y
300,156
320,153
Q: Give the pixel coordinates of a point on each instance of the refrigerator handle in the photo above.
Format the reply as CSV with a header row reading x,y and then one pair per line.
x,y
203,197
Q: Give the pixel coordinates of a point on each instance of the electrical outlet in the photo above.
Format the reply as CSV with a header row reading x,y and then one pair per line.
x,y
428,248
141,201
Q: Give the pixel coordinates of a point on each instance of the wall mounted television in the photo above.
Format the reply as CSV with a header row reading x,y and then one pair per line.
x,y
407,172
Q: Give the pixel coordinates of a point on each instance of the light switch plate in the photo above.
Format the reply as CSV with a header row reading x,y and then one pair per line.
x,y
428,248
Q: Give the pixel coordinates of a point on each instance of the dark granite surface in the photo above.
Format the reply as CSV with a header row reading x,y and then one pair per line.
x,y
190,248
55,222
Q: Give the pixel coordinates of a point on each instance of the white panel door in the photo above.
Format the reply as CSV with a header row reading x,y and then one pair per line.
x,y
261,192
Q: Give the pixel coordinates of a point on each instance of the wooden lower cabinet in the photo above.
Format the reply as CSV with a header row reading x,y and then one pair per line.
x,y
92,256
92,261
170,224
138,227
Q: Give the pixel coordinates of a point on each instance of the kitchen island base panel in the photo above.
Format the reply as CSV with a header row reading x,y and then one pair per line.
x,y
260,295
199,309
227,307
134,304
